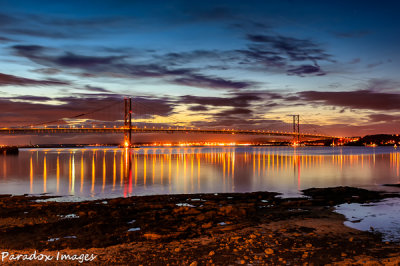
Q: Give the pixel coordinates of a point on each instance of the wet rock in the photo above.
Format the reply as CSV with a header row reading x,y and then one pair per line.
x,y
200,217
207,225
152,236
338,195
226,210
269,251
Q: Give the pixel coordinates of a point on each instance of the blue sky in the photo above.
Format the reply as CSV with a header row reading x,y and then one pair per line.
x,y
235,64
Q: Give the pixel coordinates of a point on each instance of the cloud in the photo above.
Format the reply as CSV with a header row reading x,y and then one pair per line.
x,y
95,89
306,70
372,65
6,79
81,61
360,99
234,100
235,111
40,54
274,53
239,123
382,85
5,40
32,52
87,109
201,81
28,51
121,67
197,56
47,71
150,107
239,110
31,98
264,53
281,54
198,108
293,48
383,118
267,59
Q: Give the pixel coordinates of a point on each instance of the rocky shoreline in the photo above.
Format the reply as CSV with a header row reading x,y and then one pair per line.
x,y
196,229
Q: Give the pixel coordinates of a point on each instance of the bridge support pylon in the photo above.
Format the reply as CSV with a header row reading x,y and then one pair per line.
x,y
296,129
128,122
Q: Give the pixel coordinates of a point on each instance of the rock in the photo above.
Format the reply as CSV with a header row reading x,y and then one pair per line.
x,y
192,211
226,209
211,253
152,236
194,263
207,225
228,227
269,251
200,217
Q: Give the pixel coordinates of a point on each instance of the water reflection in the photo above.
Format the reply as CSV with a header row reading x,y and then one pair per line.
x,y
95,172
44,174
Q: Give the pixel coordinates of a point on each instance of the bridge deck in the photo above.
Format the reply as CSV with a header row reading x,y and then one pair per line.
x,y
135,130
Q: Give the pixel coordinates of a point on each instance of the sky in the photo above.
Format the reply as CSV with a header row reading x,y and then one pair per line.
x,y
210,64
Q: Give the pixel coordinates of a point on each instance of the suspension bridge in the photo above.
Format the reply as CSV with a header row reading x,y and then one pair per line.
x,y
128,129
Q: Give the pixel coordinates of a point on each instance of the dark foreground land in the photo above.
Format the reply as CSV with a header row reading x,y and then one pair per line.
x,y
204,229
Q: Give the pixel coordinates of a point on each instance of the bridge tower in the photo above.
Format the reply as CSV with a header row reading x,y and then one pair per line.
x,y
296,128
128,122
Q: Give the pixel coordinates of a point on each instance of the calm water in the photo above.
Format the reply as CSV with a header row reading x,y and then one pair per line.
x,y
113,172
383,217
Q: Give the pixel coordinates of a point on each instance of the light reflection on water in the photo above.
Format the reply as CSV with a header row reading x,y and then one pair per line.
x,y
114,172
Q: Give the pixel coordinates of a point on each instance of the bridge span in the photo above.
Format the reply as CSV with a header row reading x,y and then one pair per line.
x,y
137,130
128,129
